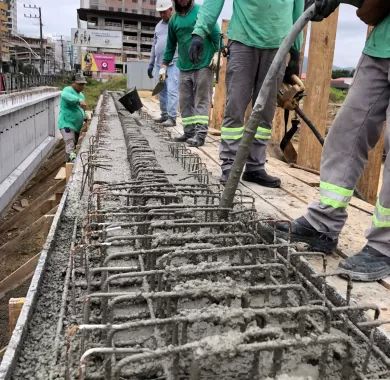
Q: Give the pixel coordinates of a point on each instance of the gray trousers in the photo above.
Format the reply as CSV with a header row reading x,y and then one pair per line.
x,y
356,130
70,138
246,71
195,99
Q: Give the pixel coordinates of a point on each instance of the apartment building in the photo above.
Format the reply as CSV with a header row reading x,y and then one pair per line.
x,y
136,19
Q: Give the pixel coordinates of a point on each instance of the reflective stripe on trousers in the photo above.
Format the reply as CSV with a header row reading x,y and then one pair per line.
x,y
228,133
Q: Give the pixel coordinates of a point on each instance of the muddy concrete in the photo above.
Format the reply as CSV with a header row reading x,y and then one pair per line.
x,y
216,321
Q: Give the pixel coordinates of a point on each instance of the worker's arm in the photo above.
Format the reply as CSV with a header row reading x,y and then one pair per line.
x,y
70,98
170,49
299,6
153,52
207,19
216,36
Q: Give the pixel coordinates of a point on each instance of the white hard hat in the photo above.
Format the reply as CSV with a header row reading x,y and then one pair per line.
x,y
163,5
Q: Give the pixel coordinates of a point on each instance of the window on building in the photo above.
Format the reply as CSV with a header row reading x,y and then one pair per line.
x,y
111,8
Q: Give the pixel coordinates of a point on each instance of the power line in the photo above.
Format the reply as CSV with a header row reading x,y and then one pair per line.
x,y
39,16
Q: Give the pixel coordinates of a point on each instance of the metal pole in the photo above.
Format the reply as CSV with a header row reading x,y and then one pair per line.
x,y
42,64
62,54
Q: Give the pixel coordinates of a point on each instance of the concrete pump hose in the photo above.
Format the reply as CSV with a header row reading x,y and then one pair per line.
x,y
251,127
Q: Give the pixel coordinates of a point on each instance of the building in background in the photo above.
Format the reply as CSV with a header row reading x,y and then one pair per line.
x,y
135,19
63,54
25,54
12,16
4,34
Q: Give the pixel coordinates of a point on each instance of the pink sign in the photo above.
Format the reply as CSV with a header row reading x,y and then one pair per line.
x,y
105,63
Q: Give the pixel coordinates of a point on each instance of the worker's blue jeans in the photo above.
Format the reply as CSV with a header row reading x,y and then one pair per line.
x,y
169,96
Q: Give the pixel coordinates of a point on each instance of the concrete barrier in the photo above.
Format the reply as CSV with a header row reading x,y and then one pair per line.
x,y
27,133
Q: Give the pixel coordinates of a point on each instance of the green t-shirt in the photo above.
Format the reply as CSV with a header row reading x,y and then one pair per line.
x,y
71,114
378,44
180,33
257,23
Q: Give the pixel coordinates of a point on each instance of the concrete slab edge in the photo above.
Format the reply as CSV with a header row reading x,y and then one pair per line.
x,y
11,354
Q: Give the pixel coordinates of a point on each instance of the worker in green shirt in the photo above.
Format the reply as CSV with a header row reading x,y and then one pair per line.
x,y
195,79
256,30
72,114
355,131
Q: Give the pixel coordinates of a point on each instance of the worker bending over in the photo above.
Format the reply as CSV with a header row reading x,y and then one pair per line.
x,y
356,129
196,79
257,29
72,114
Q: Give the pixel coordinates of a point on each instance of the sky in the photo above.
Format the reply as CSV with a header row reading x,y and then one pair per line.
x,y
59,19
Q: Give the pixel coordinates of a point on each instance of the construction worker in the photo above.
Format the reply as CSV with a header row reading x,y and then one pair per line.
x,y
72,114
169,96
195,79
356,129
256,30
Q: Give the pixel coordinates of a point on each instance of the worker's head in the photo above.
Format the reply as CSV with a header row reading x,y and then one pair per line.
x,y
165,8
183,6
79,82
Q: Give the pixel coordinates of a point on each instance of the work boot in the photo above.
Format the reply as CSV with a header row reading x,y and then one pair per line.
x,y
303,231
368,265
184,137
261,178
170,122
224,177
196,141
161,119
72,157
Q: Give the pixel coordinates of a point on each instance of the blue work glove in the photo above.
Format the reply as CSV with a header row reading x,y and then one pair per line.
x,y
196,48
324,8
293,67
150,71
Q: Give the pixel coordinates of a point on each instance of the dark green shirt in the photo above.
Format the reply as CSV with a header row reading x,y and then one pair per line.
x,y
180,34
261,24
71,114
378,44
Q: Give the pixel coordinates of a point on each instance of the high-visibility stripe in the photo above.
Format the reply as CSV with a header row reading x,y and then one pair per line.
x,y
381,217
334,196
263,133
263,137
228,133
336,189
333,203
382,210
195,120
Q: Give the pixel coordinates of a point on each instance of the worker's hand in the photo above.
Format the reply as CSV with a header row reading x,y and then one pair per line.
x,y
214,62
83,105
324,8
196,49
292,67
162,74
150,71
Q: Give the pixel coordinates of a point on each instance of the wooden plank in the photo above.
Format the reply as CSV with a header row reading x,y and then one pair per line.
x,y
369,181
69,170
218,109
61,173
214,132
321,52
22,243
15,306
18,277
2,351
36,209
